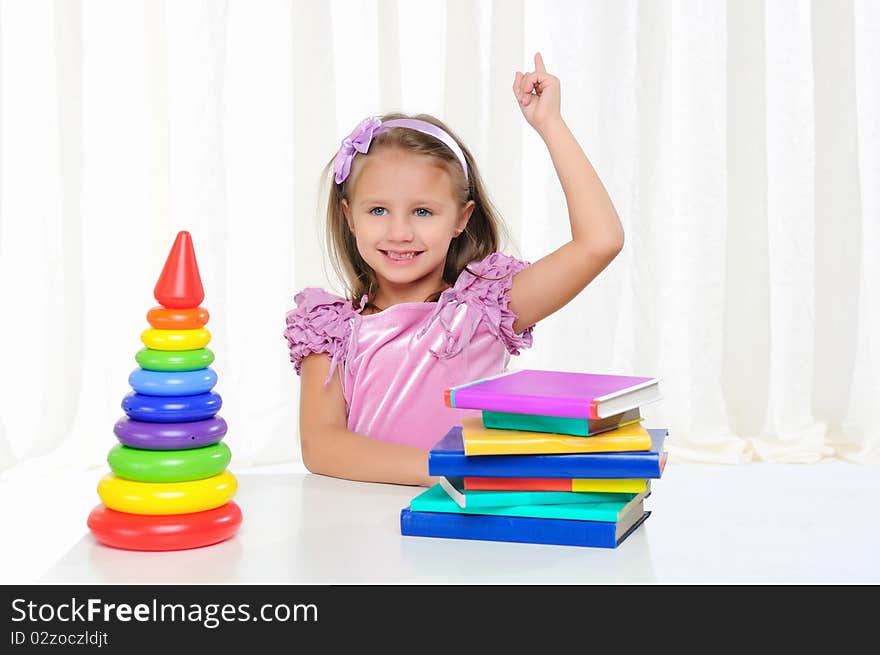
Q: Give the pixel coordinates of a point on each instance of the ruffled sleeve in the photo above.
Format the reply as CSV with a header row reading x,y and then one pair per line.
x,y
320,323
487,291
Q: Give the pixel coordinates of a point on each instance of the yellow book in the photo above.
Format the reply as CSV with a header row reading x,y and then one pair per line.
x,y
480,440
620,485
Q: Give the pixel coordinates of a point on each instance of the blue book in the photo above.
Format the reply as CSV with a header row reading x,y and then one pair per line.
x,y
560,532
447,459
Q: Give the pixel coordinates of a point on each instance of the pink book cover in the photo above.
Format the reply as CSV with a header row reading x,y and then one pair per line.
x,y
551,393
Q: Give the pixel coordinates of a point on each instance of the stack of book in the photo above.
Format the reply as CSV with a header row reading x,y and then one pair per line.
x,y
556,458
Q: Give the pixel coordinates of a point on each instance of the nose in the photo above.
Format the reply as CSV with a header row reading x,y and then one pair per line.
x,y
400,228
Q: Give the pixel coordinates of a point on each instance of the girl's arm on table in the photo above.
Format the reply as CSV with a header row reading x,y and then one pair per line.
x,y
329,448
596,232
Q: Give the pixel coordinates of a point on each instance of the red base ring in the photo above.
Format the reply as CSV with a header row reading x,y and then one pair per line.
x,y
164,532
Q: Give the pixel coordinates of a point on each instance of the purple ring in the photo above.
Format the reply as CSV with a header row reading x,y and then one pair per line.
x,y
169,436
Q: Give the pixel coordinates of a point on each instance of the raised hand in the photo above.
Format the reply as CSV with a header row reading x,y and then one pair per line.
x,y
537,94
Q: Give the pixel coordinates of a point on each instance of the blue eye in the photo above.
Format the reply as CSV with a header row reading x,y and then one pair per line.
x,y
427,212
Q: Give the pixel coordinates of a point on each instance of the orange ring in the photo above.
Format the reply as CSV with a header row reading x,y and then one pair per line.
x,y
163,318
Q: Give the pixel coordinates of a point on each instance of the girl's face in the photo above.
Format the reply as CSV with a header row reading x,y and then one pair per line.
x,y
403,214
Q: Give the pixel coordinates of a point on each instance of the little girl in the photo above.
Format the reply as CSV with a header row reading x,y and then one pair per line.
x,y
431,303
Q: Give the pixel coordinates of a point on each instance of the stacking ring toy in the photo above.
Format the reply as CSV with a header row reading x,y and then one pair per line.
x,y
168,532
171,409
174,360
163,318
175,339
166,497
172,383
169,436
168,465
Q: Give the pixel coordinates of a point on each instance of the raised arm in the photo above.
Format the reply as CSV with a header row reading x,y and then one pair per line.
x,y
596,233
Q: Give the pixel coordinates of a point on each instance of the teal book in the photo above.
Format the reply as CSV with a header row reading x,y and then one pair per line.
x,y
578,427
435,499
472,499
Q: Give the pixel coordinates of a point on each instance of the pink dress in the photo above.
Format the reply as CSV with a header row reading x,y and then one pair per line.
x,y
396,364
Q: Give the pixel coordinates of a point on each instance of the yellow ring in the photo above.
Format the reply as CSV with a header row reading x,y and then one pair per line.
x,y
175,339
166,497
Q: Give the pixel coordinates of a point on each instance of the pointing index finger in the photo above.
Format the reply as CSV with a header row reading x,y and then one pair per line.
x,y
539,63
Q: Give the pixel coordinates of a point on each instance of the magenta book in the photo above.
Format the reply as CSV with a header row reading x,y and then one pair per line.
x,y
555,393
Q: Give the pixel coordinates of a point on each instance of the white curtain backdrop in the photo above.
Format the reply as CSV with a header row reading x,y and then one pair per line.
x,y
739,141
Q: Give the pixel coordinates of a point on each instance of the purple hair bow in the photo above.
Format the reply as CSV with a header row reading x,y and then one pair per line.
x,y
358,141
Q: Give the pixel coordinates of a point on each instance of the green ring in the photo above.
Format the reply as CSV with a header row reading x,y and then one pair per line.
x,y
174,360
168,465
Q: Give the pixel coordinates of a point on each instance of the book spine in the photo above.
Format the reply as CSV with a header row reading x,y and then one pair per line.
x,y
543,485
468,398
561,444
548,498
449,394
512,529
605,511
518,484
544,466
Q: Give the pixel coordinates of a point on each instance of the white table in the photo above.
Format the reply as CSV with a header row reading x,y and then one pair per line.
x,y
749,524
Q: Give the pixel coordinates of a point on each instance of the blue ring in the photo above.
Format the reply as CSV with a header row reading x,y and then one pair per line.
x,y
171,409
172,383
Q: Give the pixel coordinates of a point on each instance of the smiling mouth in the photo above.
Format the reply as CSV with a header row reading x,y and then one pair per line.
x,y
412,254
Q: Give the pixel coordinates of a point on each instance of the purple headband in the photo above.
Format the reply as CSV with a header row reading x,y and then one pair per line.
x,y
360,138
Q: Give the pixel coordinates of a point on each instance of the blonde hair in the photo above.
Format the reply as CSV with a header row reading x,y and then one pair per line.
x,y
479,239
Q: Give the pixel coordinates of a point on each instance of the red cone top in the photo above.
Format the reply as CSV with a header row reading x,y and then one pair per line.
x,y
179,285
